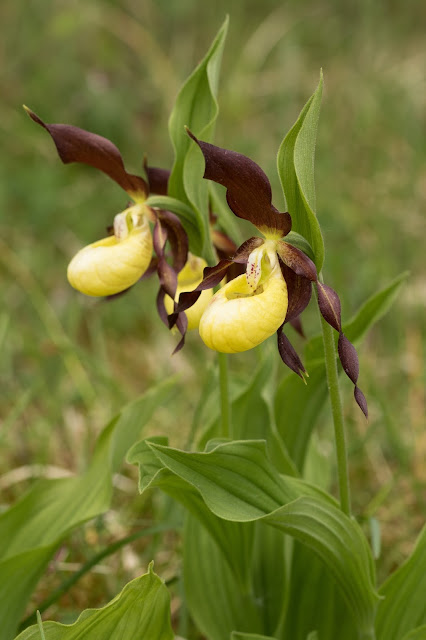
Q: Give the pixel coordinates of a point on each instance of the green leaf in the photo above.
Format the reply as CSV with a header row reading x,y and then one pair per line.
x,y
217,601
140,611
295,164
196,107
32,529
404,605
298,406
373,309
238,483
190,218
417,634
237,635
315,601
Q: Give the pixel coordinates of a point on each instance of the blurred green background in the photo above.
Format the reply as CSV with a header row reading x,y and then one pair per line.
x,y
114,67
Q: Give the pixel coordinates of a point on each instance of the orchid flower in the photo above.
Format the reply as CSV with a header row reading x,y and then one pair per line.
x,y
277,284
113,264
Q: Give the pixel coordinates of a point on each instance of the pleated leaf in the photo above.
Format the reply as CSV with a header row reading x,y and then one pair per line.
x,y
238,483
139,612
295,164
196,107
404,605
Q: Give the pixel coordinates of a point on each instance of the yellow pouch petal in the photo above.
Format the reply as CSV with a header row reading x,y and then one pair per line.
x,y
238,319
111,265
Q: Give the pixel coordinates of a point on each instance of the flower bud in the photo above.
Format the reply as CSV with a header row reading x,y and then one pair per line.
x,y
113,264
189,277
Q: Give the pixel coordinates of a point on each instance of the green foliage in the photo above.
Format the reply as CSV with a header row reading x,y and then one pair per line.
x,y
298,406
196,107
404,605
296,171
32,529
238,483
140,611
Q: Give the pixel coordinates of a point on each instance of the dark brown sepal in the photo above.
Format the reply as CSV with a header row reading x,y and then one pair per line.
x,y
178,240
329,305
158,179
348,357
299,291
182,325
289,355
166,274
297,261
77,145
162,312
296,323
249,193
361,401
241,255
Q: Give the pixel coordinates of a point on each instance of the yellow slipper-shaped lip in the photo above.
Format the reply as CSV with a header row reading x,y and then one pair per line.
x,y
238,319
110,265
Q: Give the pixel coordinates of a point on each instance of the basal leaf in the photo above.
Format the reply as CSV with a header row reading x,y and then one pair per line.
x,y
196,107
140,611
315,602
295,163
216,600
403,607
238,483
31,530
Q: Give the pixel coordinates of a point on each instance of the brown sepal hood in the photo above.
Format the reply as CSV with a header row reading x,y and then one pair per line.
x,y
248,190
77,145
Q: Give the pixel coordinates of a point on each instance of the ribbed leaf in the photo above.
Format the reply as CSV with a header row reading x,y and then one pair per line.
x,y
196,107
31,530
295,163
298,406
238,483
373,309
315,601
139,612
404,605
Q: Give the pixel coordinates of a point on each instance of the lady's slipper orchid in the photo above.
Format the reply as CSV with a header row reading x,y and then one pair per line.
x,y
113,264
277,284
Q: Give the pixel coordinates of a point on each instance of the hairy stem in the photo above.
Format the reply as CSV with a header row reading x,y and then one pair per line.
x,y
224,395
336,408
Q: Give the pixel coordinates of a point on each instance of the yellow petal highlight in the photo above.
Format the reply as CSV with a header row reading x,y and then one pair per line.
x,y
189,277
111,265
238,319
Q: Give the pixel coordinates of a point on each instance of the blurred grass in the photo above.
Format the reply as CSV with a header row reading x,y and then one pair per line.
x,y
67,362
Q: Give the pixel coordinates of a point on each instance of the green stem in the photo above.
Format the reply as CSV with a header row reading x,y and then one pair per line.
x,y
336,408
67,584
224,395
